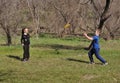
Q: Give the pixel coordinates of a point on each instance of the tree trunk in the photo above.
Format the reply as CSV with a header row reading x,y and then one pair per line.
x,y
9,38
104,15
8,34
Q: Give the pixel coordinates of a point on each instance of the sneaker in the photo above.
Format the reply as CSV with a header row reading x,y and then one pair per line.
x,y
104,64
24,60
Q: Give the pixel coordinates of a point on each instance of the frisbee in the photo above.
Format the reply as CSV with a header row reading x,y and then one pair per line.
x,y
67,25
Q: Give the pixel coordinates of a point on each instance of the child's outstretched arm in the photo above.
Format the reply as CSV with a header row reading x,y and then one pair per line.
x,y
90,38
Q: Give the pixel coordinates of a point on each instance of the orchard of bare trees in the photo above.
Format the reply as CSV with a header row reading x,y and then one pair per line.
x,y
50,16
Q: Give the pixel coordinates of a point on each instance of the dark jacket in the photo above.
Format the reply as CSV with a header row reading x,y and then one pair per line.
x,y
25,39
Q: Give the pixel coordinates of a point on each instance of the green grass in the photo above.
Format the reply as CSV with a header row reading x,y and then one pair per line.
x,y
55,60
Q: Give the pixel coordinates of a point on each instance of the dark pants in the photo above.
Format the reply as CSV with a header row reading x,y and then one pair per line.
x,y
26,53
96,52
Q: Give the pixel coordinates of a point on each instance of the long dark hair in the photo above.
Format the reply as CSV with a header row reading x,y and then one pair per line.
x,y
23,31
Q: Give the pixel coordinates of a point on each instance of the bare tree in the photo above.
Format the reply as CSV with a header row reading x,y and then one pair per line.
x,y
50,16
8,18
102,12
37,11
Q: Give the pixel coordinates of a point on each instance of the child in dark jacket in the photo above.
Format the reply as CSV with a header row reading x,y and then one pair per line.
x,y
25,41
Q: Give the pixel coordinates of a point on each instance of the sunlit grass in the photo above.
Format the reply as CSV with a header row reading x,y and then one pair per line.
x,y
55,60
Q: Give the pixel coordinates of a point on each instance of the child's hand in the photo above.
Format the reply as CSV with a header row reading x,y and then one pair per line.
x,y
22,44
85,34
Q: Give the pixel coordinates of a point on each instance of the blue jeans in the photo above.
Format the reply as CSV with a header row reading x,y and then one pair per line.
x,y
96,52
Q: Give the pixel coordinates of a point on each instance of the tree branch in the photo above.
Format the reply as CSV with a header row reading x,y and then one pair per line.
x,y
104,17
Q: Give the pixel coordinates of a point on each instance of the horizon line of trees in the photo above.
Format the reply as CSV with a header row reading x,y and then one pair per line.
x,y
50,16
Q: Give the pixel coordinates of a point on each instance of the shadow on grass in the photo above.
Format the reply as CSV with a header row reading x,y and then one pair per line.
x,y
14,57
58,46
82,61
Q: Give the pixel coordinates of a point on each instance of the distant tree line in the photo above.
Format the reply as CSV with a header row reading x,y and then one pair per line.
x,y
50,16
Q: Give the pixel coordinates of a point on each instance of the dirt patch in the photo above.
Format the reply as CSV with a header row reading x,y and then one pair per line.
x,y
89,77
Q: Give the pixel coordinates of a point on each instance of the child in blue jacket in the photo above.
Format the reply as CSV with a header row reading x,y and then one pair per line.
x,y
95,48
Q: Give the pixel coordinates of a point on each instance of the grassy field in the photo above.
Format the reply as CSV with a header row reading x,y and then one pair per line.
x,y
55,60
